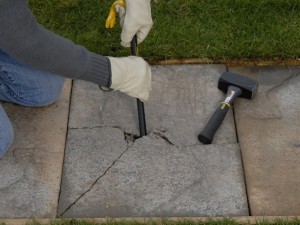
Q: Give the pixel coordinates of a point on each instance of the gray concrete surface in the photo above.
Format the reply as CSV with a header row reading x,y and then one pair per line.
x,y
107,172
182,100
154,178
30,173
269,134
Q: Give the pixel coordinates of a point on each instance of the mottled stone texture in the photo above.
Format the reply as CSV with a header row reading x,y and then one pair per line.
x,y
181,102
154,178
89,154
269,134
109,172
31,171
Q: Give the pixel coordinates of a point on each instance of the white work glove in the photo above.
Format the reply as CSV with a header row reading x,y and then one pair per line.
x,y
131,75
135,19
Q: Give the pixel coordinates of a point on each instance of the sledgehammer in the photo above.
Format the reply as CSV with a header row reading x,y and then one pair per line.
x,y
236,86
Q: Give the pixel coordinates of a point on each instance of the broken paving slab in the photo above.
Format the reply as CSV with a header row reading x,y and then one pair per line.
x,y
31,170
181,102
109,172
89,154
269,135
154,178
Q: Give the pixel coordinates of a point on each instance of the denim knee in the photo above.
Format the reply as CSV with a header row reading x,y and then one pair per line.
x,y
47,93
6,132
24,85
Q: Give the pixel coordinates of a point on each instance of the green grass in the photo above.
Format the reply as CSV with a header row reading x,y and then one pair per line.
x,y
214,29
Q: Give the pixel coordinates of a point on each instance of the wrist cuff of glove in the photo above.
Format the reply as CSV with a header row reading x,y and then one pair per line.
x,y
99,70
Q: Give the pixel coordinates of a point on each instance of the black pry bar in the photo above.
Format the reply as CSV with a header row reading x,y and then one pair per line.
x,y
140,104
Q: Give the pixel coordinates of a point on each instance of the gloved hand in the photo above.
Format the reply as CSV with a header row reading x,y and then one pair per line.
x,y
131,75
135,19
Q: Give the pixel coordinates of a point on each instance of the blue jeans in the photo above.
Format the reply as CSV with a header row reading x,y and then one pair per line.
x,y
26,86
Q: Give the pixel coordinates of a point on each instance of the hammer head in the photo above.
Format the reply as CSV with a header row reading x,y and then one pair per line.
x,y
248,86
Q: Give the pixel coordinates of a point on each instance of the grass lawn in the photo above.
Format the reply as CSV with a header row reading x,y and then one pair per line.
x,y
213,29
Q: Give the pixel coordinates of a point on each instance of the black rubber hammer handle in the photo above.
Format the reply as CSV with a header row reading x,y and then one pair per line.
x,y
235,85
207,134
140,104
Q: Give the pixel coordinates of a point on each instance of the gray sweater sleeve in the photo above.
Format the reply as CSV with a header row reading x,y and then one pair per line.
x,y
29,42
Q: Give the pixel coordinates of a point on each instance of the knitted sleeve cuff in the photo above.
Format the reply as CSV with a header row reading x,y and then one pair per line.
x,y
98,70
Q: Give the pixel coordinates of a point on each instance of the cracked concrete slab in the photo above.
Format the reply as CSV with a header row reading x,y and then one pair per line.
x,y
269,135
181,102
154,178
31,170
89,153
108,172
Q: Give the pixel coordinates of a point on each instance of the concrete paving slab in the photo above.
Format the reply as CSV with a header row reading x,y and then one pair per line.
x,y
109,172
89,154
155,178
31,170
181,102
269,135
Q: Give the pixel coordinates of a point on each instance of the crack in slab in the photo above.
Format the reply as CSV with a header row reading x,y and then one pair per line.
x,y
90,128
282,83
93,184
162,136
130,138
